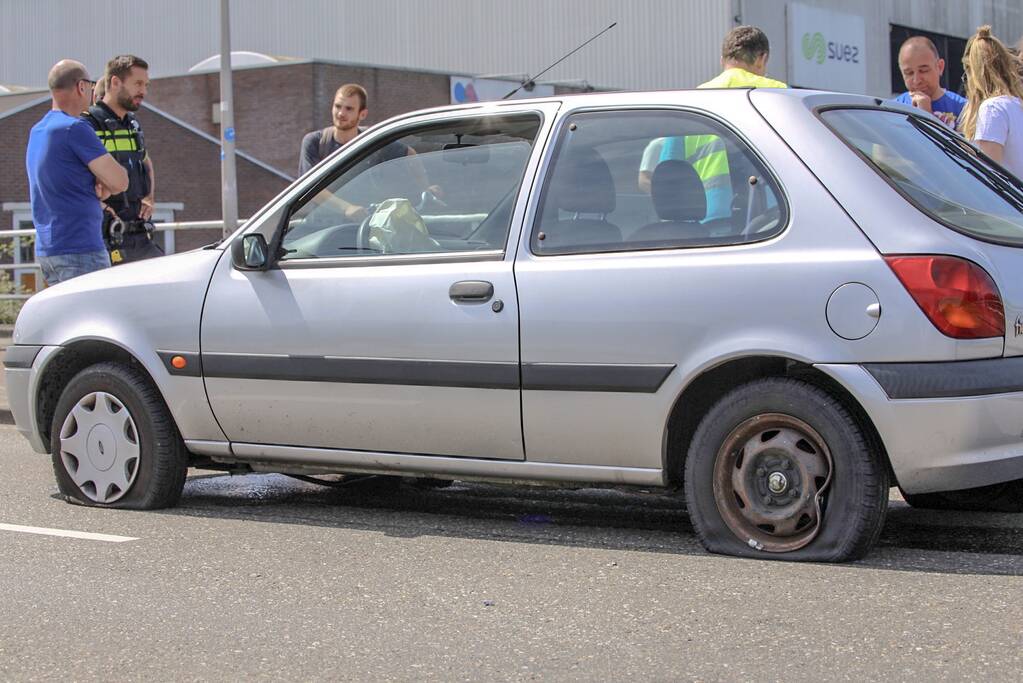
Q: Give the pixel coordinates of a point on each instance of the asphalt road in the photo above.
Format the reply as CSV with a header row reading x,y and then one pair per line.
x,y
265,577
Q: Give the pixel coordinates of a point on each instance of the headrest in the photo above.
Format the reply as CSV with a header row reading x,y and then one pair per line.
x,y
677,192
582,183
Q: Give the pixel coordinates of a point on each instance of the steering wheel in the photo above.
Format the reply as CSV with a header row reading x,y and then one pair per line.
x,y
428,200
362,236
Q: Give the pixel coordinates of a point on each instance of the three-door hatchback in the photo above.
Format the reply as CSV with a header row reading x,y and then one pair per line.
x,y
782,302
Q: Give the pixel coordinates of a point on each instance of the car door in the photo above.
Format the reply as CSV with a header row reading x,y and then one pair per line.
x,y
620,283
390,319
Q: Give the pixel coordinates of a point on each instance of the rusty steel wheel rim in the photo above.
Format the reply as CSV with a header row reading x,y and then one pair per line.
x,y
770,475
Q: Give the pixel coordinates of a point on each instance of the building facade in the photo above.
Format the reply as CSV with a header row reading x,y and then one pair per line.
x,y
426,54
275,106
656,44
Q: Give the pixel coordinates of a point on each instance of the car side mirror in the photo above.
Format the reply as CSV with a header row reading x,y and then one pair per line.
x,y
250,252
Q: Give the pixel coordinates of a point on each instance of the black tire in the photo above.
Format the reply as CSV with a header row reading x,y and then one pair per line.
x,y
162,463
854,498
1005,497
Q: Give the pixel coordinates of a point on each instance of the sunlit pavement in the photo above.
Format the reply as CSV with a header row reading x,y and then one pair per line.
x,y
266,576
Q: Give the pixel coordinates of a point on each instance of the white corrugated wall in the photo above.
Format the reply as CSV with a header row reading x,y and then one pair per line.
x,y
657,43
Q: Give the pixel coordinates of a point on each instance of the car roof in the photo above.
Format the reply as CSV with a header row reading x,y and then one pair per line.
x,y
693,97
665,97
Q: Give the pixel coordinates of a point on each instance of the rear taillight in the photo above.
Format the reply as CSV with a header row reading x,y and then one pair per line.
x,y
957,295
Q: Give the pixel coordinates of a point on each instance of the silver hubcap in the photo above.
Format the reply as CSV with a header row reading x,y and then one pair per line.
x,y
99,447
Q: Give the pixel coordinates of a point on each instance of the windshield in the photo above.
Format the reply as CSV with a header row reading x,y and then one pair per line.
x,y
937,171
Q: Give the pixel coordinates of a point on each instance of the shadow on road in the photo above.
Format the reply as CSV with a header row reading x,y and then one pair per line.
x,y
912,540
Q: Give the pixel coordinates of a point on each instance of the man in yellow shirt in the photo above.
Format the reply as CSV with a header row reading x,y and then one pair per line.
x,y
744,55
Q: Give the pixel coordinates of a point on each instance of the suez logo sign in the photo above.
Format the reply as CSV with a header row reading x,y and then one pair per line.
x,y
826,49
816,49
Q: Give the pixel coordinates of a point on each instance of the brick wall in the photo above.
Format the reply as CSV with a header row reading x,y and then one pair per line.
x,y
187,171
14,131
276,105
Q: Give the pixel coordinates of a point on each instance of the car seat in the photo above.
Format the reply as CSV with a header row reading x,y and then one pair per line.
x,y
582,186
679,200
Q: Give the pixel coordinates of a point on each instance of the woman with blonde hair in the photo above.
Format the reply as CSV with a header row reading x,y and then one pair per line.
x,y
993,116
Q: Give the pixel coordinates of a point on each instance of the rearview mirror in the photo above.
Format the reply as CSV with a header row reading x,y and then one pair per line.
x,y
250,252
459,153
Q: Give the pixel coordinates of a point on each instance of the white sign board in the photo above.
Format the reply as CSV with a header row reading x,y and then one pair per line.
x,y
827,50
488,89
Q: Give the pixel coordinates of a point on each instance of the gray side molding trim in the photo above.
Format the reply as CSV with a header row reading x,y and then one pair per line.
x,y
21,356
638,378
645,379
363,370
949,380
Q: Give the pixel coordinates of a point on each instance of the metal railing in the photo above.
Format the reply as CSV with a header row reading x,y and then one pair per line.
x,y
158,227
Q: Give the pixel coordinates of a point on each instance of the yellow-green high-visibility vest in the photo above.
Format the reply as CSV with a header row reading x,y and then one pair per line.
x,y
707,153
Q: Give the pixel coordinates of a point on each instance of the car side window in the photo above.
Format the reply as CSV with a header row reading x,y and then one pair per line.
x,y
630,180
447,187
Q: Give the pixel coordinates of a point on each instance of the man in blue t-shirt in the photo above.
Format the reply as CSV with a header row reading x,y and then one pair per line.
x,y
69,171
921,68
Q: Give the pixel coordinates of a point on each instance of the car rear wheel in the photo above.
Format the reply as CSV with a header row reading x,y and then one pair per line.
x,y
778,468
1006,497
113,442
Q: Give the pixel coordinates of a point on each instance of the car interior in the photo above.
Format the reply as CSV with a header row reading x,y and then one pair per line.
x,y
592,201
453,185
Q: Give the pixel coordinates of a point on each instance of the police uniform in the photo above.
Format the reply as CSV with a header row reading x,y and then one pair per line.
x,y
127,236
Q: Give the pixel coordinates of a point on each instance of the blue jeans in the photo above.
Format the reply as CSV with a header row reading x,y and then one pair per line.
x,y
63,267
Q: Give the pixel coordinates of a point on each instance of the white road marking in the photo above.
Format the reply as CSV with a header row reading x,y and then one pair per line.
x,y
67,534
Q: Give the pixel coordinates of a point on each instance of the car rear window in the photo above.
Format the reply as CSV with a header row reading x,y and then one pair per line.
x,y
937,171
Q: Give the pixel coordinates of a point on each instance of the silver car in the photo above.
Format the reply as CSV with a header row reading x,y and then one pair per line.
x,y
781,302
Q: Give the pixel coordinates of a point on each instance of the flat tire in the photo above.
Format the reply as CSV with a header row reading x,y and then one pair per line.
x,y
779,469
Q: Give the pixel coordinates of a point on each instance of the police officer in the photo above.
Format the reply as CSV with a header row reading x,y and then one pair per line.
x,y
126,227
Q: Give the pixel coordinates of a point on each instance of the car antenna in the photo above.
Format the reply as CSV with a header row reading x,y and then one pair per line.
x,y
533,78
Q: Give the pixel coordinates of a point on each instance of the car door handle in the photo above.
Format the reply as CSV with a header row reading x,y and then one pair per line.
x,y
471,291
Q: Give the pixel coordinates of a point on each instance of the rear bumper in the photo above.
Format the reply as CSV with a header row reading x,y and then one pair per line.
x,y
959,379
945,426
22,369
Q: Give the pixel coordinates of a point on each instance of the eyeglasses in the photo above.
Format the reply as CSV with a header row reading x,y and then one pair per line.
x,y
92,84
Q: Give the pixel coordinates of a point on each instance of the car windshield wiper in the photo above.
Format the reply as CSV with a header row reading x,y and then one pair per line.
x,y
989,175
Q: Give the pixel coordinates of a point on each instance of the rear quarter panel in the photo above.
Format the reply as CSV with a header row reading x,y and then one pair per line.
x,y
890,222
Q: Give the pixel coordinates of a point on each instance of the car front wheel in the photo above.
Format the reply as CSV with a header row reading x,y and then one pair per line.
x,y
113,441
778,468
